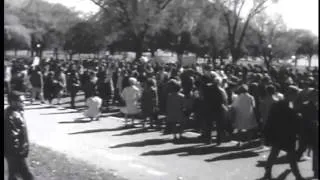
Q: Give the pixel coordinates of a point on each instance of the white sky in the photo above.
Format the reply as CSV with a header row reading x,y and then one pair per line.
x,y
296,13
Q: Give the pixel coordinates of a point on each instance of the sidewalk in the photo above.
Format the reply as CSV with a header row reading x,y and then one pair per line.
x,y
137,154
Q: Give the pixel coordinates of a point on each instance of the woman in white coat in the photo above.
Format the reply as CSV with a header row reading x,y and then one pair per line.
x,y
131,96
243,106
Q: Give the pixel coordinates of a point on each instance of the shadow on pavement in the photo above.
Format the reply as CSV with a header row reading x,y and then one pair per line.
x,y
281,160
169,151
73,122
98,130
135,131
60,113
148,142
202,150
77,120
41,107
216,149
111,114
117,114
282,176
235,155
76,101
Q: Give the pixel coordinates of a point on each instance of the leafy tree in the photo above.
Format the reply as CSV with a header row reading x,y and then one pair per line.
x,y
307,44
38,21
266,32
83,38
134,18
181,19
210,34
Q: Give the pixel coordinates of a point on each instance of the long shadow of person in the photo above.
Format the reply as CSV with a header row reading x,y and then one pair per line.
x,y
98,130
203,150
169,151
148,142
280,160
135,131
235,155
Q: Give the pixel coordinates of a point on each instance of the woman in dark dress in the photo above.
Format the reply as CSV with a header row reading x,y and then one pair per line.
x,y
149,102
49,87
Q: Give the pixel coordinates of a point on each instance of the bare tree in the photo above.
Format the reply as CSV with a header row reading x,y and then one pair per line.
x,y
237,22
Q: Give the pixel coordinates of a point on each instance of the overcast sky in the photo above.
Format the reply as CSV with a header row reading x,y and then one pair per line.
x,y
296,13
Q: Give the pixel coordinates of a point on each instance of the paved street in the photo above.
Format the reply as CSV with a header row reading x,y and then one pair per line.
x,y
137,154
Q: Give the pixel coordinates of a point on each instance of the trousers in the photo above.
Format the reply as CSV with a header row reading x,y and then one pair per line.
x,y
18,166
292,160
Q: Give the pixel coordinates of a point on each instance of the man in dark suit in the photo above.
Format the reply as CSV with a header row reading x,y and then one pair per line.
x,y
16,143
281,132
214,98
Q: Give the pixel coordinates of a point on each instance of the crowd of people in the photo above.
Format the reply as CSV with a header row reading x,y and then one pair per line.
x,y
279,105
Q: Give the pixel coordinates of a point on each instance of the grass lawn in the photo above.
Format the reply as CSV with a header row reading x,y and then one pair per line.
x,y
46,164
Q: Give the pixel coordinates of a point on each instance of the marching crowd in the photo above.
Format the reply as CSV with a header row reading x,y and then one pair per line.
x,y
279,105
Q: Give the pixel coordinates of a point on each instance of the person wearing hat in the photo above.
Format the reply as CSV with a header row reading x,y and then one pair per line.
x,y
309,126
16,143
305,92
281,131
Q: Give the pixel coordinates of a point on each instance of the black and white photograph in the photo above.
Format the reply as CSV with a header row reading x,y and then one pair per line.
x,y
161,89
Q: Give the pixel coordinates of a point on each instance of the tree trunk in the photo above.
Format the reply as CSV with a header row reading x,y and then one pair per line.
x,y
221,60
70,56
296,62
153,53
309,60
15,52
179,58
267,62
235,55
139,48
32,52
56,55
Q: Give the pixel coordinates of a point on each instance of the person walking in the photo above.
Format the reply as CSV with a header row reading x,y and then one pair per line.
x,y
93,101
36,80
73,85
60,84
281,131
16,143
49,87
105,88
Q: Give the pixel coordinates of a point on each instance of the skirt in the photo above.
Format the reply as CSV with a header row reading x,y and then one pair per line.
x,y
94,105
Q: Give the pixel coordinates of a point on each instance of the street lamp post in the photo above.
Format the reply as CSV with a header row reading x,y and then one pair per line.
x,y
294,58
269,55
38,50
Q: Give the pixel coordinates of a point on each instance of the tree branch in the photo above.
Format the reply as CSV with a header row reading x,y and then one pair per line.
x,y
166,3
99,3
237,17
